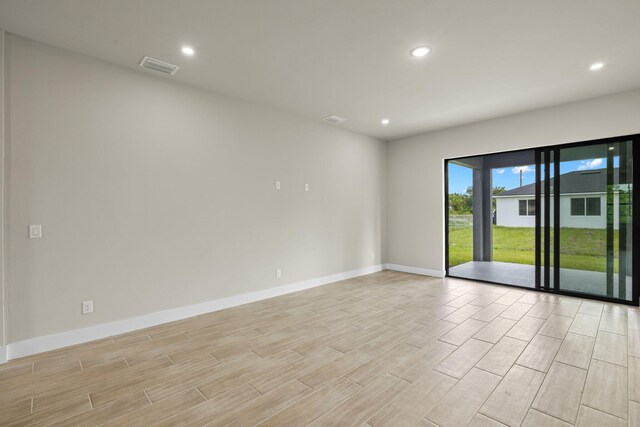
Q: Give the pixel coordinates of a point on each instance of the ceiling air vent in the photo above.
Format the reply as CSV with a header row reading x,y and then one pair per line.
x,y
334,120
157,65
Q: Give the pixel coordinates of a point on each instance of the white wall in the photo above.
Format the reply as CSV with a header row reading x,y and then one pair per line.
x,y
588,221
155,195
416,164
508,213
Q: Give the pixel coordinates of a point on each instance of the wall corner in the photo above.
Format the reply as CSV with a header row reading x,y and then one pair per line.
x,y
3,168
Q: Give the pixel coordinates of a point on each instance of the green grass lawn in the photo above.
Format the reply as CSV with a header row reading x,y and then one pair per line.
x,y
581,248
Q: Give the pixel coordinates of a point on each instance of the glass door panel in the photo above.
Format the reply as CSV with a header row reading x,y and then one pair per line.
x,y
491,217
460,214
545,237
595,219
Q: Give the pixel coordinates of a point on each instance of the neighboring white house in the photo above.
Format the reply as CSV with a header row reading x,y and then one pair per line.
x,y
583,202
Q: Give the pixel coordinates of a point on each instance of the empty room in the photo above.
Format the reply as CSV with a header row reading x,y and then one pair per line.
x,y
319,213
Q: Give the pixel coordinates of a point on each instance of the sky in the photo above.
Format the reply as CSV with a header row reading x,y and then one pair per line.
x,y
460,177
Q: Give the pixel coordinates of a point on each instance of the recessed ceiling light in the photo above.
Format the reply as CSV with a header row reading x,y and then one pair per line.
x,y
596,66
420,51
385,122
188,50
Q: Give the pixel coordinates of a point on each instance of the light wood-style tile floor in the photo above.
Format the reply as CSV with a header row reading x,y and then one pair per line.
x,y
384,349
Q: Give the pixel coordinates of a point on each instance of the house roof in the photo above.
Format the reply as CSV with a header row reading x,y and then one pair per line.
x,y
585,181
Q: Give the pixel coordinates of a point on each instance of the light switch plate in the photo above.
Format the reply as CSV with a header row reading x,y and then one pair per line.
x,y
277,185
35,231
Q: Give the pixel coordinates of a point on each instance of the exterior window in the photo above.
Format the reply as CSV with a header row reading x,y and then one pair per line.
x,y
527,207
577,207
589,206
532,207
593,206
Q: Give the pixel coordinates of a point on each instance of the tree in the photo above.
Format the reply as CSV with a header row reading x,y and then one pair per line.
x,y
462,204
495,191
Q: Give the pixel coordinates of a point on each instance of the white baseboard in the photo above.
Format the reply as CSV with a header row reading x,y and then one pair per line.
x,y
91,333
3,354
414,270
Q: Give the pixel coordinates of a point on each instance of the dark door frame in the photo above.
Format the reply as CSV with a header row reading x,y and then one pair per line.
x,y
543,275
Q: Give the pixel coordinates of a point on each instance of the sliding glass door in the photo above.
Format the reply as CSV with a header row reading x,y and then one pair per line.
x,y
491,216
593,232
557,219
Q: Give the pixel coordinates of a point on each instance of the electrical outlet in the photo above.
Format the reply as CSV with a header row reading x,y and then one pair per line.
x,y
373,255
277,185
278,273
87,307
306,187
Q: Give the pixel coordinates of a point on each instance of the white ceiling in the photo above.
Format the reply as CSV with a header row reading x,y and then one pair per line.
x,y
351,58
